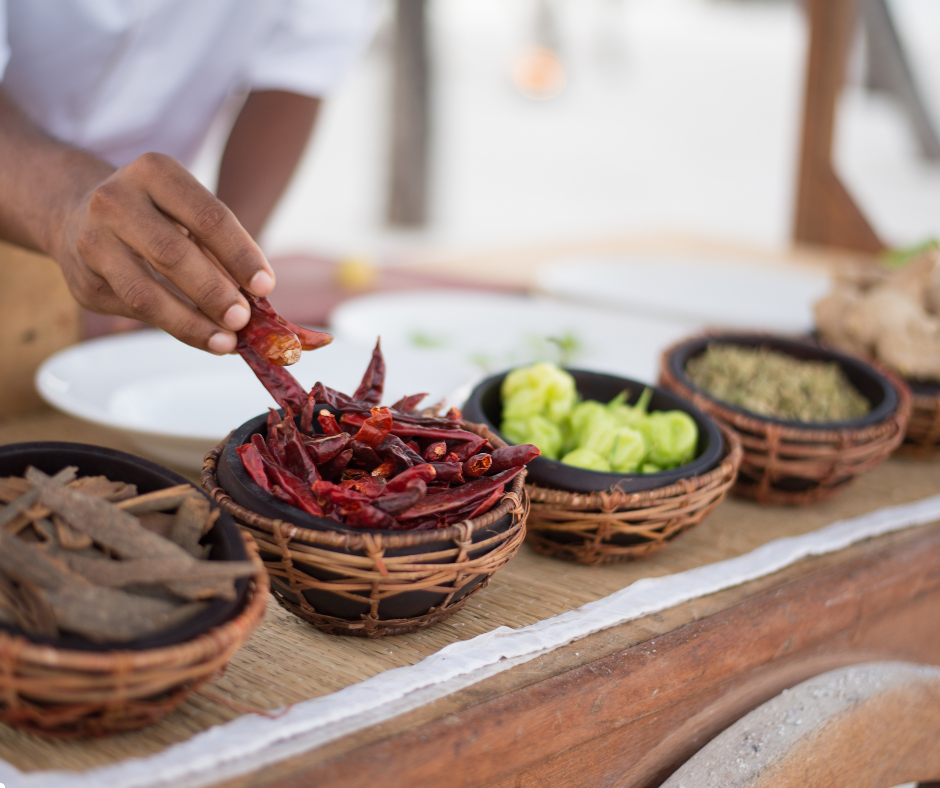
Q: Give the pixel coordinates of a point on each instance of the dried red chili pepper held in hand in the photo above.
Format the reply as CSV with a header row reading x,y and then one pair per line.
x,y
309,339
281,385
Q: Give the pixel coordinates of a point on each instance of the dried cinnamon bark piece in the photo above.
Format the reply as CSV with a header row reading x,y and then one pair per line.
x,y
22,606
12,487
144,571
68,537
164,500
103,614
121,532
103,487
28,498
159,523
189,525
26,564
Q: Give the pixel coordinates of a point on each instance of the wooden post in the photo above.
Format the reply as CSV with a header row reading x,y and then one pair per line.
x,y
889,71
38,316
826,214
410,121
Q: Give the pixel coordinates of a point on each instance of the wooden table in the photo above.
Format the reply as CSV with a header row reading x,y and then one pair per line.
x,y
622,707
626,706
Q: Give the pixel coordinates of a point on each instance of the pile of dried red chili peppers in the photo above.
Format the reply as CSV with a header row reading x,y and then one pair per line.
x,y
349,459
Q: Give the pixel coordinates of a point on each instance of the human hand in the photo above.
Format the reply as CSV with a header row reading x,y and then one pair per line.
x,y
150,220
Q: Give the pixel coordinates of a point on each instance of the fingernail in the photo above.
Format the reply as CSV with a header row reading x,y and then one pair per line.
x,y
236,317
221,343
262,283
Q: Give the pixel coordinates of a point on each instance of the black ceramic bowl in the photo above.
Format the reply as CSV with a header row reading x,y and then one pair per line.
x,y
874,386
236,482
485,406
225,538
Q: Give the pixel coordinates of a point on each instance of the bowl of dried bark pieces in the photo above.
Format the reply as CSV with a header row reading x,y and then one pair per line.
x,y
122,589
810,419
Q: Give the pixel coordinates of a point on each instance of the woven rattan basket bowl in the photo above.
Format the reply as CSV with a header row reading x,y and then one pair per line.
x,y
788,462
72,691
366,582
610,517
922,438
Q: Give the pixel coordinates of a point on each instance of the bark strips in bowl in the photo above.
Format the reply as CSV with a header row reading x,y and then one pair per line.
x,y
102,669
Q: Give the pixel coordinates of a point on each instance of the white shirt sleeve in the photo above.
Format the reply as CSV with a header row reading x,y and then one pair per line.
x,y
4,44
313,45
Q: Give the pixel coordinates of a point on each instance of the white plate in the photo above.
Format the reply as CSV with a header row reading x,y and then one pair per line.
x,y
755,295
487,332
175,403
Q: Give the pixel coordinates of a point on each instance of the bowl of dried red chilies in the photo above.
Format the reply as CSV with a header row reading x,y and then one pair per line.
x,y
371,520
120,584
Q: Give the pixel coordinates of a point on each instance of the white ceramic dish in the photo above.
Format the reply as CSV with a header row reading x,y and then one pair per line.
x,y
175,403
756,295
486,332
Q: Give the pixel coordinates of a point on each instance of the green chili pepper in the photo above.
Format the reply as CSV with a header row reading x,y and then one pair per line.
x,y
538,390
540,406
629,449
536,430
672,435
585,458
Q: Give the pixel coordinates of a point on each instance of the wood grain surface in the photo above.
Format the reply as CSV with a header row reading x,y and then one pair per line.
x,y
826,213
615,706
862,726
622,708
38,317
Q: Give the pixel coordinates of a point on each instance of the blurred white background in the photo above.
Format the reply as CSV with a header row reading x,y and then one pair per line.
x,y
679,116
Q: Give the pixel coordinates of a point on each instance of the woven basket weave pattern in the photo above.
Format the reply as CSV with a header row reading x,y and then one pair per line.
x,y
73,694
582,527
364,570
778,458
922,438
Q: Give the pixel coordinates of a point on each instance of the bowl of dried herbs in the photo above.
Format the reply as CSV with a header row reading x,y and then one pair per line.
x,y
810,418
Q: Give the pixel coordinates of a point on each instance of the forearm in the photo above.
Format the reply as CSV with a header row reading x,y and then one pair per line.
x,y
263,149
41,180
121,234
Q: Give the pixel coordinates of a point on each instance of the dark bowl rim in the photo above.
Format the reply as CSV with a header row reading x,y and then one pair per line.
x,y
76,644
294,516
657,479
923,388
679,354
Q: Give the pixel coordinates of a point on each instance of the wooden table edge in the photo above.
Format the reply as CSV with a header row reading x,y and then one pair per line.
x,y
446,739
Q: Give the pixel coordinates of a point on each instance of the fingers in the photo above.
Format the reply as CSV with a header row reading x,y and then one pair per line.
x,y
181,260
181,197
152,220
130,290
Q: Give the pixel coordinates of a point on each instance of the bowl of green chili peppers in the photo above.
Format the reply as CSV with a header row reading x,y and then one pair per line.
x,y
597,432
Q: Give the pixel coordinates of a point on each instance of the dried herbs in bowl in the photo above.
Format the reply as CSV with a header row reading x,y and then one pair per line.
x,y
783,380
809,422
770,383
